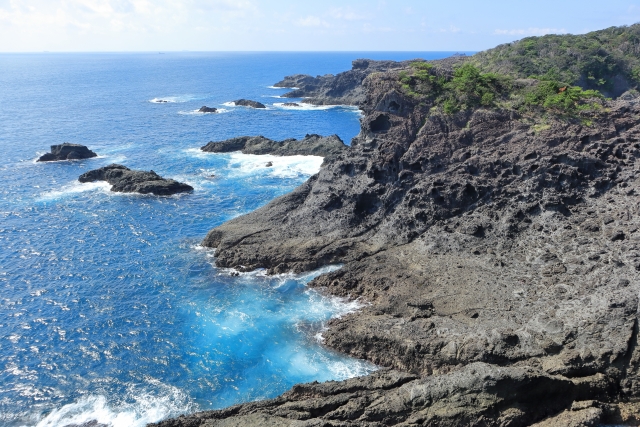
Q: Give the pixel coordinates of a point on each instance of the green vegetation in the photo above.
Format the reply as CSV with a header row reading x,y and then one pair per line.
x,y
561,75
592,61
467,87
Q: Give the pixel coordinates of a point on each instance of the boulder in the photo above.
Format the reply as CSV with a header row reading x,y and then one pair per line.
x,y
249,103
67,151
125,180
205,109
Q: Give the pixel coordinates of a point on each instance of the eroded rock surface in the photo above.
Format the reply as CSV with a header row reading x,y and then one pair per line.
x,y
310,145
341,89
249,103
125,180
479,239
67,151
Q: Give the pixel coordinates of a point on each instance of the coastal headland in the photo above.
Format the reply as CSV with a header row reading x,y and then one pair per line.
x,y
488,214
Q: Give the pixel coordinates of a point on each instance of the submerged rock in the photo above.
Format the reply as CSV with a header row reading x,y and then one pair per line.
x,y
310,145
291,104
125,180
205,109
67,151
249,103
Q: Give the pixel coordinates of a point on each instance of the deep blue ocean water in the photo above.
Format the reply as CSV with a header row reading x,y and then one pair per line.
x,y
109,308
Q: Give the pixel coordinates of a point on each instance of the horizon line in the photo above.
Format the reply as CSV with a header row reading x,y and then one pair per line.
x,y
236,51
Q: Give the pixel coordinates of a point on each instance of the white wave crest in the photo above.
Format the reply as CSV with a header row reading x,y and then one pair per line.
x,y
200,113
233,104
277,87
143,408
281,166
75,188
173,99
304,106
355,368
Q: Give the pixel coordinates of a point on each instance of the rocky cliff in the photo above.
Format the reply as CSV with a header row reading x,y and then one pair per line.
x,y
499,252
341,89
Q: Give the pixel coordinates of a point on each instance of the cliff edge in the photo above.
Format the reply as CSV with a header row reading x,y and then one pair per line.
x,y
492,223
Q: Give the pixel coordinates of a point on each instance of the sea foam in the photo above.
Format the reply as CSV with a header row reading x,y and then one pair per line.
x,y
137,410
281,166
74,189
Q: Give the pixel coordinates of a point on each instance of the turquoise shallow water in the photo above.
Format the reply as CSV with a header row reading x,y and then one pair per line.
x,y
109,308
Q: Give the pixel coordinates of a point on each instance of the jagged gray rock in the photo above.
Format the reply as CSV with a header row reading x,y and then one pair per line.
x,y
249,103
474,237
310,145
205,109
125,180
67,151
343,88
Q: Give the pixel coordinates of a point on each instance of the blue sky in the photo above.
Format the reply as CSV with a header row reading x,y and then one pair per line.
x,y
356,25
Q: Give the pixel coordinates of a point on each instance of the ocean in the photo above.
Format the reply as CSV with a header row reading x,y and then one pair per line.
x,y
110,310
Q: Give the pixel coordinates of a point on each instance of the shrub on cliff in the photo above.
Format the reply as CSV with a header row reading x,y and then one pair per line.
x,y
467,87
598,60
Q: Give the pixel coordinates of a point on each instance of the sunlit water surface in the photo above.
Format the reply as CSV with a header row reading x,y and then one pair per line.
x,y
109,308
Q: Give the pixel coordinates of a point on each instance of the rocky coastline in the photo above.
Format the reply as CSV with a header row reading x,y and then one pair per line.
x,y
341,89
310,145
125,180
498,252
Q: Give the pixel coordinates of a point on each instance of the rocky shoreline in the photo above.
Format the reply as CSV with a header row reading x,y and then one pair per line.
x,y
499,253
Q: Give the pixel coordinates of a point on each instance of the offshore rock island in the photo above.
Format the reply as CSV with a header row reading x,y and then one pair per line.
x,y
310,145
125,180
67,151
488,213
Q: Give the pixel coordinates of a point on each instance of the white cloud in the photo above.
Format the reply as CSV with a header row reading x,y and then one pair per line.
x,y
531,31
230,6
346,14
312,21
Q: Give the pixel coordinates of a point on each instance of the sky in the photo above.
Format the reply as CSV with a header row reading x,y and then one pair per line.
x,y
295,25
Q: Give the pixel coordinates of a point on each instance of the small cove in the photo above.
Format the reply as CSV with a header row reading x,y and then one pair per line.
x,y
109,308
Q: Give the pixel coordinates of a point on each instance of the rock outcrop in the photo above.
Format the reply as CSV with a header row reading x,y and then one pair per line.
x,y
341,89
205,109
248,103
310,145
67,151
125,180
480,237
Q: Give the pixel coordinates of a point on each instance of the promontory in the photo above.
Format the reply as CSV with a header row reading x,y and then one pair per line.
x,y
488,214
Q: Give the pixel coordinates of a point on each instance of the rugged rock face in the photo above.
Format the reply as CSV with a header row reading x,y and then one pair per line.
x,y
67,151
205,109
342,89
125,180
249,103
310,145
489,247
478,394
